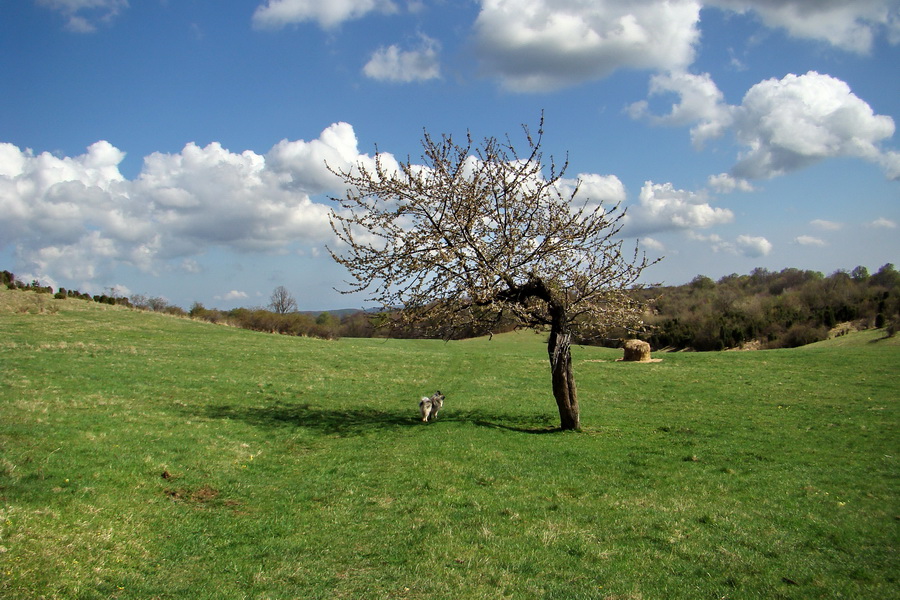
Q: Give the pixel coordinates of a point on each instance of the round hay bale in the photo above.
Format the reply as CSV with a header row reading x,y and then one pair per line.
x,y
636,351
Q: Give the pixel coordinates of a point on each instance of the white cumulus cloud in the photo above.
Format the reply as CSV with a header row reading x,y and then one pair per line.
x,y
211,196
304,165
327,13
233,295
850,25
393,64
652,244
782,125
750,246
594,189
724,183
883,223
46,196
661,207
808,240
890,162
538,45
799,120
826,225
753,246
77,218
83,16
701,104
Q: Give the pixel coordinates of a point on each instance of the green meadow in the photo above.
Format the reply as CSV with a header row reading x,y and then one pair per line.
x,y
148,456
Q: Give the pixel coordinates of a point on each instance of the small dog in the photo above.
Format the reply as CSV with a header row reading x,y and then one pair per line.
x,y
429,407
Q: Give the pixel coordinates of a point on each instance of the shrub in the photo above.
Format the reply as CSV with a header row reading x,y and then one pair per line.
x,y
800,335
198,311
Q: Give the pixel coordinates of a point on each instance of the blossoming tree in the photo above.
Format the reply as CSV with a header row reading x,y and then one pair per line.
x,y
483,234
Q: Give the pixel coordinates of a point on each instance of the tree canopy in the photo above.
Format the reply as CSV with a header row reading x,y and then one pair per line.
x,y
282,301
483,233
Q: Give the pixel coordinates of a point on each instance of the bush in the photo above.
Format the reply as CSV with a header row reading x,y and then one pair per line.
x,y
800,335
198,311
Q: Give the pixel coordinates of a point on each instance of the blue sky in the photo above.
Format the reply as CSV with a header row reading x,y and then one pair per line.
x,y
176,148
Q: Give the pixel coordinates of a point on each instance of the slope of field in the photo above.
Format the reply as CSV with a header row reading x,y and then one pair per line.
x,y
146,456
871,337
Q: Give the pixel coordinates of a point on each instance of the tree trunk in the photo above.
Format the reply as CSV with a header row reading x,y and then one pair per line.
x,y
563,377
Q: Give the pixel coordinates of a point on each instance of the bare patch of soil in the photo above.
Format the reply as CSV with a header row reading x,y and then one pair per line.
x,y
201,495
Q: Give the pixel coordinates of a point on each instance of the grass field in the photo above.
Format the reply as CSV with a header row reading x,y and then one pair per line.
x,y
146,456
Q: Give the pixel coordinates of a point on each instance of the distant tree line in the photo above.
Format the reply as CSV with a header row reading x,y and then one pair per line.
x,y
770,309
111,297
322,325
9,280
773,309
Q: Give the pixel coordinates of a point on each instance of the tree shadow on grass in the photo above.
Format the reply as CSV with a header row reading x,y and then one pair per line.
x,y
525,423
328,421
534,430
357,420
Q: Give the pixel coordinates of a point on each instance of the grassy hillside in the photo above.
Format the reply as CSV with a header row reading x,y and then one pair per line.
x,y
146,456
871,337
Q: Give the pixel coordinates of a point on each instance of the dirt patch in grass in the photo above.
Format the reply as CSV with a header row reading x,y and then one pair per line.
x,y
202,495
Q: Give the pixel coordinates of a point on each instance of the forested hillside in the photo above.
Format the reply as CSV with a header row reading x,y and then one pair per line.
x,y
764,309
772,309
